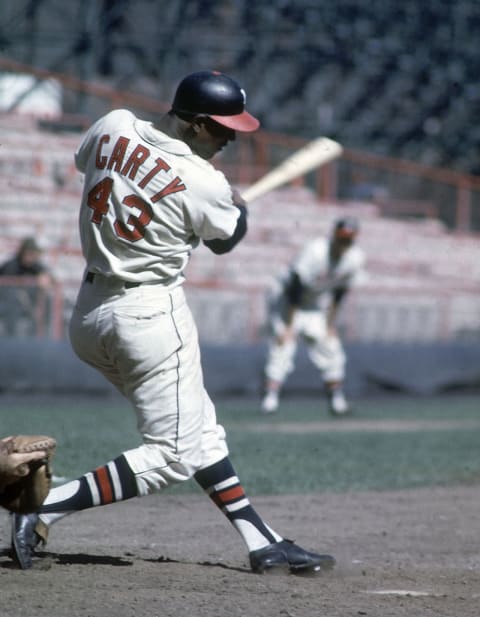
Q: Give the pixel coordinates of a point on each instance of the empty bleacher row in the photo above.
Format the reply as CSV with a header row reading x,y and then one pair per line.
x,y
423,280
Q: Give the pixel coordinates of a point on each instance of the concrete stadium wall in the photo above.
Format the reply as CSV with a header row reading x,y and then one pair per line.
x,y
46,366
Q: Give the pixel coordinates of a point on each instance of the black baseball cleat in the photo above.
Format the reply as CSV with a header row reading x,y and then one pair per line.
x,y
288,556
24,539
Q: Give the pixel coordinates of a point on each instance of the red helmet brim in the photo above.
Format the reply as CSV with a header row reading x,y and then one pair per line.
x,y
244,122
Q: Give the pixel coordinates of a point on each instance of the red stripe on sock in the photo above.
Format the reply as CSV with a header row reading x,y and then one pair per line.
x,y
231,494
104,485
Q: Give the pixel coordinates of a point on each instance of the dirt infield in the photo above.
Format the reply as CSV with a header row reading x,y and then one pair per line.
x,y
406,553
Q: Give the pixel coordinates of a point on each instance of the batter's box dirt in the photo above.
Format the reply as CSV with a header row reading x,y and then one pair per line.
x,y
403,553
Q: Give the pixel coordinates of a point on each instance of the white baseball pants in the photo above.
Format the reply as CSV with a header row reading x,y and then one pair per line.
x,y
325,351
145,342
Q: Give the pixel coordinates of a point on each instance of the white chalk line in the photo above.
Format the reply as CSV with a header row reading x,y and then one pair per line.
x,y
343,425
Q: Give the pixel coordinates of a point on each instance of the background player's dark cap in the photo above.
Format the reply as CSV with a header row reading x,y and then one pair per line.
x,y
215,95
346,228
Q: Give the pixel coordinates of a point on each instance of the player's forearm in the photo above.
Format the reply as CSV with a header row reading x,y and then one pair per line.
x,y
338,297
224,246
290,315
288,333
331,316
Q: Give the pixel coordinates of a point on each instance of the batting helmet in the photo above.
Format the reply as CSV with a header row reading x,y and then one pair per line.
x,y
215,95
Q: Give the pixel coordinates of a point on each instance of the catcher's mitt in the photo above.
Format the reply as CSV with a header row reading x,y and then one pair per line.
x,y
26,479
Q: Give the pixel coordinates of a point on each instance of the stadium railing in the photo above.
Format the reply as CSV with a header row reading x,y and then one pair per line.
x,y
30,310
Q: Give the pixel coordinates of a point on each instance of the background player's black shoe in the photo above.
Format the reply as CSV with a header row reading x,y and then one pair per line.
x,y
287,555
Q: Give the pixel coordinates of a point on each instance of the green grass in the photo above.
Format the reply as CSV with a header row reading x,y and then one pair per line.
x,y
447,406
356,460
92,431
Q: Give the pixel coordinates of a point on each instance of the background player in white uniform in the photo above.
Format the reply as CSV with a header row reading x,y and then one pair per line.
x,y
150,197
304,304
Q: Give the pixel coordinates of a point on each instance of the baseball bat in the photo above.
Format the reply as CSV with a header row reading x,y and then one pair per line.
x,y
314,154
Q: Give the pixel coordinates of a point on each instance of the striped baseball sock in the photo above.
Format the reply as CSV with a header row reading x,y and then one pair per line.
x,y
115,481
222,485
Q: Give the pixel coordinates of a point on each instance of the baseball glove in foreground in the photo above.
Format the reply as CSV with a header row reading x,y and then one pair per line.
x,y
25,480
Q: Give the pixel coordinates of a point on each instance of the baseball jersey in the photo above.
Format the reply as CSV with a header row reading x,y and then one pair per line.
x,y
147,201
320,275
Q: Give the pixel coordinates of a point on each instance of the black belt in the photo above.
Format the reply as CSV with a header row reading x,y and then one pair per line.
x,y
89,278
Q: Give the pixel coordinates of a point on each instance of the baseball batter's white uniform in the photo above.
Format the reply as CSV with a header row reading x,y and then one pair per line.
x,y
320,277
147,201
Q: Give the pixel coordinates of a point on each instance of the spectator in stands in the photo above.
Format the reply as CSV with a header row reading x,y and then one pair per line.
x,y
20,301
27,262
305,304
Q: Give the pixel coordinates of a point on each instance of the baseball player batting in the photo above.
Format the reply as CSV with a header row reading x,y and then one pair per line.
x,y
304,304
150,196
